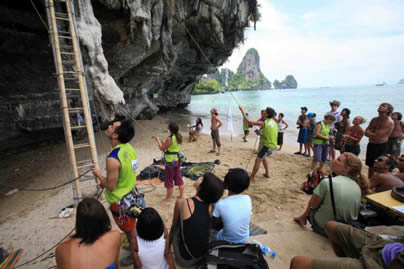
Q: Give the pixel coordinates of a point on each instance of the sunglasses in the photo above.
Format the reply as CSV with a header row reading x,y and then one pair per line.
x,y
380,159
334,104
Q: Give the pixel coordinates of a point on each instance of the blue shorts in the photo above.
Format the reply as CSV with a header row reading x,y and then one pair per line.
x,y
302,135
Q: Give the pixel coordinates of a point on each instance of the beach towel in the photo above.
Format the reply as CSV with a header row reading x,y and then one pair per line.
x,y
12,259
150,172
196,170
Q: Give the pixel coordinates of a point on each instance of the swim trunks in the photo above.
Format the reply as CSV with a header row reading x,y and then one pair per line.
x,y
394,146
302,136
373,151
215,137
280,138
173,175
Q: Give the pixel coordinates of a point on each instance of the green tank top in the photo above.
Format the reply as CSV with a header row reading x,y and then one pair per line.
x,y
127,156
270,132
325,131
245,125
175,147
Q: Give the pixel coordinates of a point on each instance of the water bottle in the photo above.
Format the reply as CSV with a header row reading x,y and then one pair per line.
x,y
265,249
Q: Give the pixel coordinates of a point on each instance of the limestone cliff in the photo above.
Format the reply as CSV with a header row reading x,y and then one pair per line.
x,y
131,49
288,83
401,81
249,75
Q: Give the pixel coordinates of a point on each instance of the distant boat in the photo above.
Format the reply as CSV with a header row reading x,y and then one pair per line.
x,y
324,87
381,84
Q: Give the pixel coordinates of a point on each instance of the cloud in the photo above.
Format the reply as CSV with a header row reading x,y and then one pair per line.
x,y
328,47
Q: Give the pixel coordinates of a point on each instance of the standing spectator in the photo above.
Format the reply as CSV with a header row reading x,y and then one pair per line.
x,y
301,138
378,131
311,125
341,127
94,245
215,124
196,221
353,136
394,142
232,215
171,148
282,126
246,126
270,140
321,141
153,251
334,111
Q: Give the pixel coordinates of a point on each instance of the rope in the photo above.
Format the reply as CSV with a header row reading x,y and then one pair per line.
x,y
50,188
40,17
256,139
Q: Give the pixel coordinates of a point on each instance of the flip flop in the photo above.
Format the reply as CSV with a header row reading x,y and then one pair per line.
x,y
211,151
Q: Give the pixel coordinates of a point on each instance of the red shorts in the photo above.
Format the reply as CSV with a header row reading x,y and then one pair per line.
x,y
173,175
125,223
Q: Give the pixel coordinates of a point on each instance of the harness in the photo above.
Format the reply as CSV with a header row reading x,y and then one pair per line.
x,y
130,205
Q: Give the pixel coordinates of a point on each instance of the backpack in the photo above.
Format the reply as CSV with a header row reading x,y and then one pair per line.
x,y
225,255
313,179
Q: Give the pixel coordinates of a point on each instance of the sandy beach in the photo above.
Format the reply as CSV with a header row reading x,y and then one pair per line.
x,y
27,219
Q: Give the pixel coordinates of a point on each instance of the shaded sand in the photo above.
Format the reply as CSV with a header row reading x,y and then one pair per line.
x,y
24,216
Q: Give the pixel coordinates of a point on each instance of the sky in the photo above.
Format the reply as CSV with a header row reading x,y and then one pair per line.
x,y
328,42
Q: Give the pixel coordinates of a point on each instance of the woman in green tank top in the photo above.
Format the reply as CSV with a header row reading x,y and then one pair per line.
x,y
321,141
172,171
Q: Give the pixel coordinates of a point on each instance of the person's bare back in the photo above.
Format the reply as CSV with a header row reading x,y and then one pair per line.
x,y
398,129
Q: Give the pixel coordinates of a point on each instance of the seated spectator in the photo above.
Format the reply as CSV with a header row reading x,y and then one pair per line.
x,y
356,249
196,221
383,179
353,136
321,141
195,130
400,166
232,214
152,251
348,187
94,245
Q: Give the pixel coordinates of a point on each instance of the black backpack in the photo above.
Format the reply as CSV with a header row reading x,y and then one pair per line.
x,y
225,255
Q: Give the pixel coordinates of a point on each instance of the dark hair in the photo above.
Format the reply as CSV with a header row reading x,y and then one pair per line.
x,y
347,112
125,131
174,129
399,115
211,188
270,112
199,120
390,162
237,180
149,225
281,114
92,221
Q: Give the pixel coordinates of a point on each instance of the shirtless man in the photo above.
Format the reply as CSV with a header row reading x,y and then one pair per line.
x,y
400,166
394,142
383,179
378,131
215,124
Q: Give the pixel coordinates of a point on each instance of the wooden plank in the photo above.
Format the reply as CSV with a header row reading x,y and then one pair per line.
x,y
384,200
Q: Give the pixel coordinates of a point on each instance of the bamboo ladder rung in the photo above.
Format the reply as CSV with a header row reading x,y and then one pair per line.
x,y
65,36
71,89
62,19
84,166
74,109
67,53
79,146
78,127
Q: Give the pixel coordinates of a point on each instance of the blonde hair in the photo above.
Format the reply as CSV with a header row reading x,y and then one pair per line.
x,y
354,164
362,120
329,117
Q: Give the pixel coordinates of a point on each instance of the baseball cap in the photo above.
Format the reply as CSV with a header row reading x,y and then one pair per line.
x,y
311,114
214,110
304,108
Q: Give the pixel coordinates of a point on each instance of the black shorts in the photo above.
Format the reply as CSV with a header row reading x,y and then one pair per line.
x,y
373,151
280,138
246,132
264,152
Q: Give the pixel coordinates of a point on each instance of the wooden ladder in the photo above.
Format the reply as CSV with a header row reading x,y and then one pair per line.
x,y
73,93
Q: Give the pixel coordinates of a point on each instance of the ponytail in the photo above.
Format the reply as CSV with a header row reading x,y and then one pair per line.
x,y
354,165
174,129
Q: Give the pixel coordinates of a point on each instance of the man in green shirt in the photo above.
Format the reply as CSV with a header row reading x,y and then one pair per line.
x,y
270,139
119,183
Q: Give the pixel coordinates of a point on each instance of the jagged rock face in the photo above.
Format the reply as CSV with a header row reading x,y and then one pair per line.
x,y
249,75
131,50
401,81
288,83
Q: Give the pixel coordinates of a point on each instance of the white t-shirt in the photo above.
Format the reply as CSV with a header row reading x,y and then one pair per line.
x,y
151,253
235,212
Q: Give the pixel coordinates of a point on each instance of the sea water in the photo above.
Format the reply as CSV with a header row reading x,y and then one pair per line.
x,y
361,100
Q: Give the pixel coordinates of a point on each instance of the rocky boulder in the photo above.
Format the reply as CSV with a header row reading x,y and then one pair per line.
x,y
288,83
140,56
